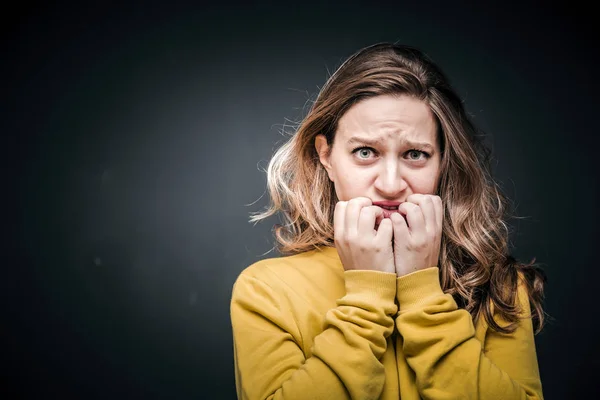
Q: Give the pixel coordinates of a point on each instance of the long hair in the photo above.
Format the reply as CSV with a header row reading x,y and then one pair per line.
x,y
475,264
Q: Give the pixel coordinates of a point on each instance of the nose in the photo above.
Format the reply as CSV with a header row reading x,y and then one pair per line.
x,y
390,182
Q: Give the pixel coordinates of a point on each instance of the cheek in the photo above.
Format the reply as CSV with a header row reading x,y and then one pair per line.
x,y
351,184
424,183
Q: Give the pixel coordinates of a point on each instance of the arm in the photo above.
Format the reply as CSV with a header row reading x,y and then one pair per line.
x,y
270,363
448,361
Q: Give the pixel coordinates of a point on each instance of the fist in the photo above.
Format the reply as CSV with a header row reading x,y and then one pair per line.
x,y
417,233
359,244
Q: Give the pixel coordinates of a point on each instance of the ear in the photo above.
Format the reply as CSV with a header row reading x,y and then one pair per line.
x,y
324,151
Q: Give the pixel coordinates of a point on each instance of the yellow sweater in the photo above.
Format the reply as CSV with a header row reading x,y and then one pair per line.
x,y
304,328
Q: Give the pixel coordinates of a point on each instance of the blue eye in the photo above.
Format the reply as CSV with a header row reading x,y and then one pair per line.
x,y
418,153
363,152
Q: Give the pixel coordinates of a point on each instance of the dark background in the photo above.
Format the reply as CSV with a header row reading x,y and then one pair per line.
x,y
133,134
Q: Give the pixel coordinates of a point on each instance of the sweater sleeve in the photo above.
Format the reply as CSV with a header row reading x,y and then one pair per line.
x,y
449,362
345,361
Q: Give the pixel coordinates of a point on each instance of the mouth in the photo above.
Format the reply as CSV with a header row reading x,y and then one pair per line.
x,y
387,212
388,207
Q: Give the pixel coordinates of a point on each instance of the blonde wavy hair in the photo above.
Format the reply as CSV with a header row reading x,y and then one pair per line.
x,y
475,264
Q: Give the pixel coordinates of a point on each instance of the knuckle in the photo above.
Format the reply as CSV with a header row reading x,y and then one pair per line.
x,y
418,243
360,202
350,238
366,212
379,247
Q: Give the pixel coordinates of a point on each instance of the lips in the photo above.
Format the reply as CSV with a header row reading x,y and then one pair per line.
x,y
388,207
387,204
388,212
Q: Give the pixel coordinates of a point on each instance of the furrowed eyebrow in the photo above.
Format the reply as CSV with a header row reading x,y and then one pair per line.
x,y
373,142
366,141
419,145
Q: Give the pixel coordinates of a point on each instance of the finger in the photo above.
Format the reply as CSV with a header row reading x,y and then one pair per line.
x,y
353,212
414,218
399,227
425,202
385,232
366,220
338,219
439,212
378,218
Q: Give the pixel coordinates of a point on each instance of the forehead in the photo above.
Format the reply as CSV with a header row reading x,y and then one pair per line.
x,y
390,117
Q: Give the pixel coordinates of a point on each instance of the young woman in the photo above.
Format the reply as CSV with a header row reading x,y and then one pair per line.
x,y
396,280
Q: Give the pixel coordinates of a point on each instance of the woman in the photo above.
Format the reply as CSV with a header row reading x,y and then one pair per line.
x,y
397,282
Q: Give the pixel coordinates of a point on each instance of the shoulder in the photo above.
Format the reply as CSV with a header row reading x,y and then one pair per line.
x,y
519,291
293,271
517,302
288,268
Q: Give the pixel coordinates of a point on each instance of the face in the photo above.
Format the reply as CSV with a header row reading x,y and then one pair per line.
x,y
385,148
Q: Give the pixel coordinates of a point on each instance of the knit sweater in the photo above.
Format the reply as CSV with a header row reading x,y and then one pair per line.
x,y
304,328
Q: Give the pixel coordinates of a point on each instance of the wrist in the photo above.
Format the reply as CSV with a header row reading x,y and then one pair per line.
x,y
373,288
417,287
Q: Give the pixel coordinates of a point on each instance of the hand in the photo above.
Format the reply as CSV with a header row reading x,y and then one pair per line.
x,y
417,238
359,245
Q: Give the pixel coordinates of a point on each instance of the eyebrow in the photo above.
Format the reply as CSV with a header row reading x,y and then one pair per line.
x,y
378,141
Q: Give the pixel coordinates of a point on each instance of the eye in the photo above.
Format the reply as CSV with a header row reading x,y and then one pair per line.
x,y
364,153
415,154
